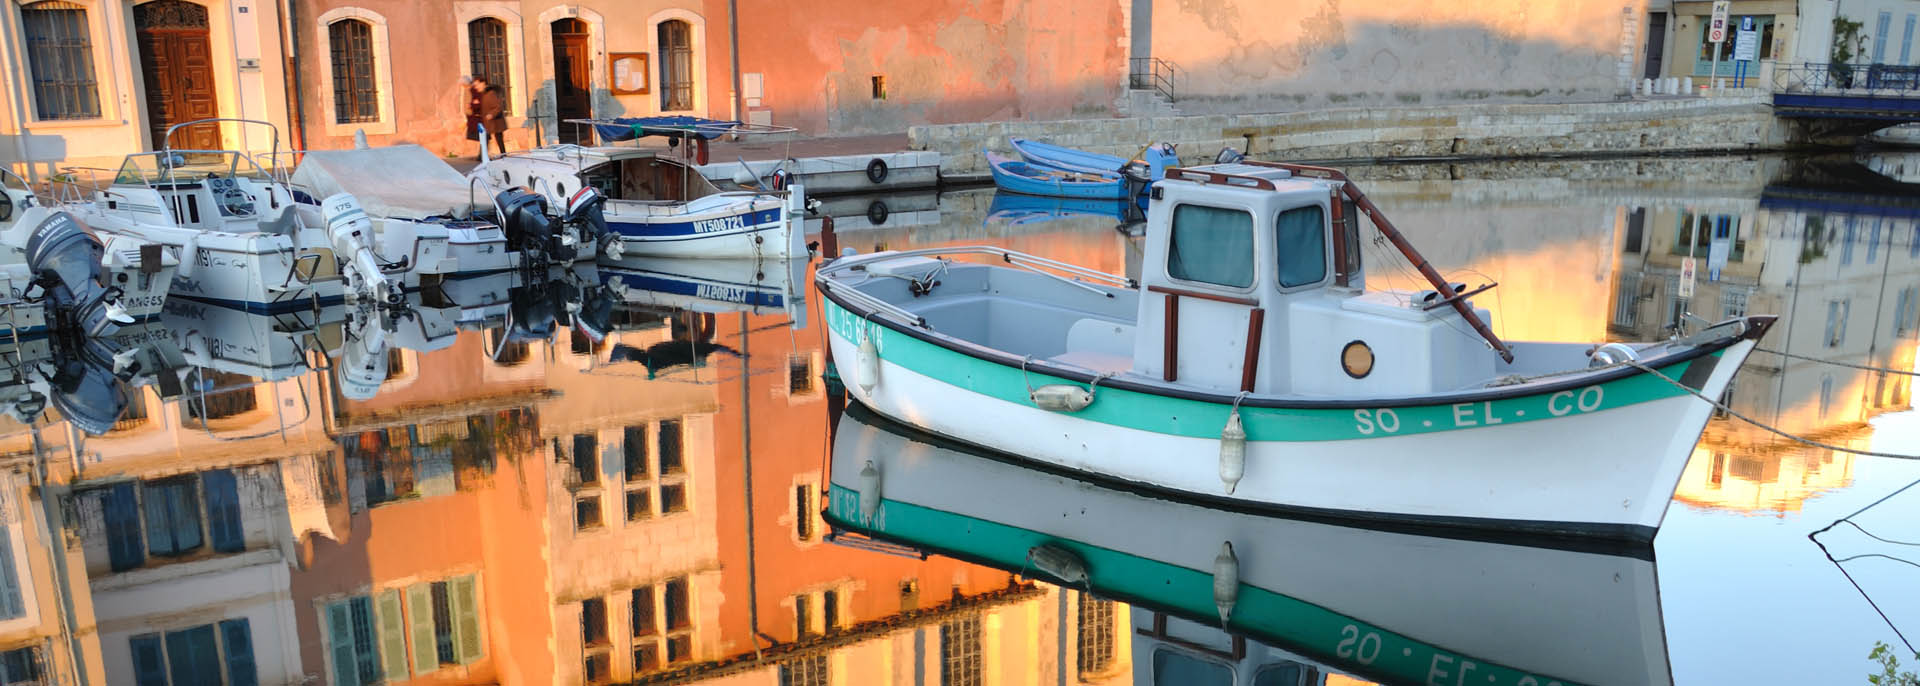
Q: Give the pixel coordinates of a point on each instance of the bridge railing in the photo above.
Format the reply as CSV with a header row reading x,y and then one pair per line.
x,y
1848,79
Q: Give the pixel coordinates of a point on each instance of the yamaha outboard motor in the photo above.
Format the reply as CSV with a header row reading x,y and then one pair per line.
x,y
87,394
65,261
586,213
523,216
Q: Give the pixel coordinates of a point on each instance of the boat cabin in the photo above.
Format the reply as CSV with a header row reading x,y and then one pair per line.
x,y
208,190
621,174
1252,281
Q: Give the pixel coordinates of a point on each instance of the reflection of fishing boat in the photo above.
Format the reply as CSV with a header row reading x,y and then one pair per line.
x,y
753,286
240,236
55,271
1391,606
1020,209
1376,406
1020,177
656,204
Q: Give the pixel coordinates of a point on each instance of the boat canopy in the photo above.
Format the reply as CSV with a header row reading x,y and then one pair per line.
x,y
406,181
632,128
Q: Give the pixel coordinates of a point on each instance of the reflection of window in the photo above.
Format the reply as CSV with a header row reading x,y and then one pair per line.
x,y
673,498
135,414
802,615
961,663
25,666
641,605
1837,322
172,509
1626,299
639,505
505,353
803,512
1695,235
805,671
60,56
676,65
593,621
586,459
1733,302
1718,475
663,631
192,656
830,610
671,460
368,636
1211,245
1095,639
12,604
237,397
350,43
586,512
679,612
633,447
396,363
799,374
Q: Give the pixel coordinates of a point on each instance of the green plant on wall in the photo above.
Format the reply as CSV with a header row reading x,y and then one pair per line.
x,y
1890,674
1846,34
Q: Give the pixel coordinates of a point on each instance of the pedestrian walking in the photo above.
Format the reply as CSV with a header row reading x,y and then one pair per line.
x,y
492,113
473,107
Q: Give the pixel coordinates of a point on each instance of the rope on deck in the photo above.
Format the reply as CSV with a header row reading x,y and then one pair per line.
x,y
1763,425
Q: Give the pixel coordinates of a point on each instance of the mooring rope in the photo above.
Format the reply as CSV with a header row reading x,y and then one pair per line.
x,y
1763,425
1870,368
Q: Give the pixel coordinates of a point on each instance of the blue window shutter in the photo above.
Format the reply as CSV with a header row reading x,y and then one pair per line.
x,y
237,638
340,644
192,658
173,516
10,602
124,547
149,663
223,511
366,650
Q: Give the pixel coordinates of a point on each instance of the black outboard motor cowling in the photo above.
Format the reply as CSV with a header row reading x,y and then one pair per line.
x,y
65,261
87,394
587,212
528,228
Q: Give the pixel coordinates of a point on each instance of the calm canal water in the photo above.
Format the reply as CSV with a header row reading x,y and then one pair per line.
x,y
497,493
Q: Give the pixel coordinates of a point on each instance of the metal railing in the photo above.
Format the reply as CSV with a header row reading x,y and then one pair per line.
x,y
1848,79
1153,73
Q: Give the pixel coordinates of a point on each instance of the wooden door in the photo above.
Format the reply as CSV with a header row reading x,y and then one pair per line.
x,y
572,83
177,58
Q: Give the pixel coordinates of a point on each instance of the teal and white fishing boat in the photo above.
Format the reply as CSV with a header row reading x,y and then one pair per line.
x,y
1289,593
1250,366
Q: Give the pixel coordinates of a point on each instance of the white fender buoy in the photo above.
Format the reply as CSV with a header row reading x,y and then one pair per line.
x,y
1061,397
869,363
1058,562
1226,581
1233,451
869,492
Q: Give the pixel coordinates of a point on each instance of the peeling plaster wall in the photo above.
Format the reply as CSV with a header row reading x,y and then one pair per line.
x,y
1245,56
943,62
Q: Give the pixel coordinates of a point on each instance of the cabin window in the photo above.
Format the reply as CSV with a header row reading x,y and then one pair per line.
x,y
1300,245
1211,245
1175,667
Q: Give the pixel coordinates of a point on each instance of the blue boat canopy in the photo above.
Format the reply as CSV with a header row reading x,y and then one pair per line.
x,y
630,128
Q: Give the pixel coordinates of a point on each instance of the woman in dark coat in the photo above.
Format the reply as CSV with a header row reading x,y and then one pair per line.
x,y
493,113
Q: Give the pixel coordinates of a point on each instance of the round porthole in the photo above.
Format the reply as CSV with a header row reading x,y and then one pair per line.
x,y
1357,359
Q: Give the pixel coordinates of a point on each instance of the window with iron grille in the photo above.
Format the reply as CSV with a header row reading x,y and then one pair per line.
x,y
676,65
593,621
806,671
230,395
23,666
961,663
1733,302
487,55
803,512
354,92
1095,638
60,55
1626,299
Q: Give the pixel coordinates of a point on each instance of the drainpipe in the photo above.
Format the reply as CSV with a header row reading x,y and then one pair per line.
x,y
17,93
746,468
733,43
52,529
290,36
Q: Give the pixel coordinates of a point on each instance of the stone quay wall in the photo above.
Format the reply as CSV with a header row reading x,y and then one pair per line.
x,y
1730,123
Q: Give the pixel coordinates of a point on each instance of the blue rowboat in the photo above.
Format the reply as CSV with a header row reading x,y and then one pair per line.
x,y
1019,177
1050,156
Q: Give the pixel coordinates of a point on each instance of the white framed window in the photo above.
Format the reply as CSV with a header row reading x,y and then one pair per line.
x,y
356,90
489,41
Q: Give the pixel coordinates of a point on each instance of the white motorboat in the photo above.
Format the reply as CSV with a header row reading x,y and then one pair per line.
x,y
54,273
1250,366
656,204
1389,605
242,239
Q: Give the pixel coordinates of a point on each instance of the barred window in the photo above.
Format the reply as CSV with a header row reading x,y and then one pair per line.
x,y
961,663
487,55
806,671
60,54
354,93
676,65
1095,639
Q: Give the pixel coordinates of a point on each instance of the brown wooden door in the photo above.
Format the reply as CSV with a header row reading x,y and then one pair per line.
x,y
572,85
178,61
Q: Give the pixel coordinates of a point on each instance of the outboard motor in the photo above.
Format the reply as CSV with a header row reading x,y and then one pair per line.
x,y
65,261
586,213
87,394
523,216
351,232
363,363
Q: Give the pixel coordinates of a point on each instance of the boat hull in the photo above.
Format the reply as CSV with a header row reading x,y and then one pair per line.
x,y
1019,177
1599,461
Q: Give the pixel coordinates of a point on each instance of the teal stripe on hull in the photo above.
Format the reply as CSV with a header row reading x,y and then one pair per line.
x,y
1283,621
1200,419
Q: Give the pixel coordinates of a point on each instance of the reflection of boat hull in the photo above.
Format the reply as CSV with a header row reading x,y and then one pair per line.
x,y
754,286
1473,462
1017,208
1386,605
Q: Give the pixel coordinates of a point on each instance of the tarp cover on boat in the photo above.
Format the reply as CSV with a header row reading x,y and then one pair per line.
x,y
629,128
406,181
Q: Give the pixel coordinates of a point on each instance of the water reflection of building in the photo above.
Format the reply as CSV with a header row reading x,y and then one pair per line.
x,y
1844,276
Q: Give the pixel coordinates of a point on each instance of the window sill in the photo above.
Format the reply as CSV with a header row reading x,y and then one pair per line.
x,y
91,123
373,128
153,573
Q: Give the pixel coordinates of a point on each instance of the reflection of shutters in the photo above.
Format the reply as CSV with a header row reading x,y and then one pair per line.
x,y
10,602
420,614
149,663
340,638
393,635
223,511
191,655
466,619
237,638
124,547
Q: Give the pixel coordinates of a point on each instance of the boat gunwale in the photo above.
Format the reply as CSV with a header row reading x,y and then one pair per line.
x,y
1755,327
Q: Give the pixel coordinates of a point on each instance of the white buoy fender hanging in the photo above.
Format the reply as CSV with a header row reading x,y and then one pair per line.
x,y
1058,562
869,363
869,492
1233,451
1226,581
1061,397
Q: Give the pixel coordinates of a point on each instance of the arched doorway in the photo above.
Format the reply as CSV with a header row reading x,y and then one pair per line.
x,y
176,57
572,82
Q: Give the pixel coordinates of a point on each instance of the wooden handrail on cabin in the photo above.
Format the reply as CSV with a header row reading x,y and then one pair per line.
x,y
1170,342
1365,204
1202,176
